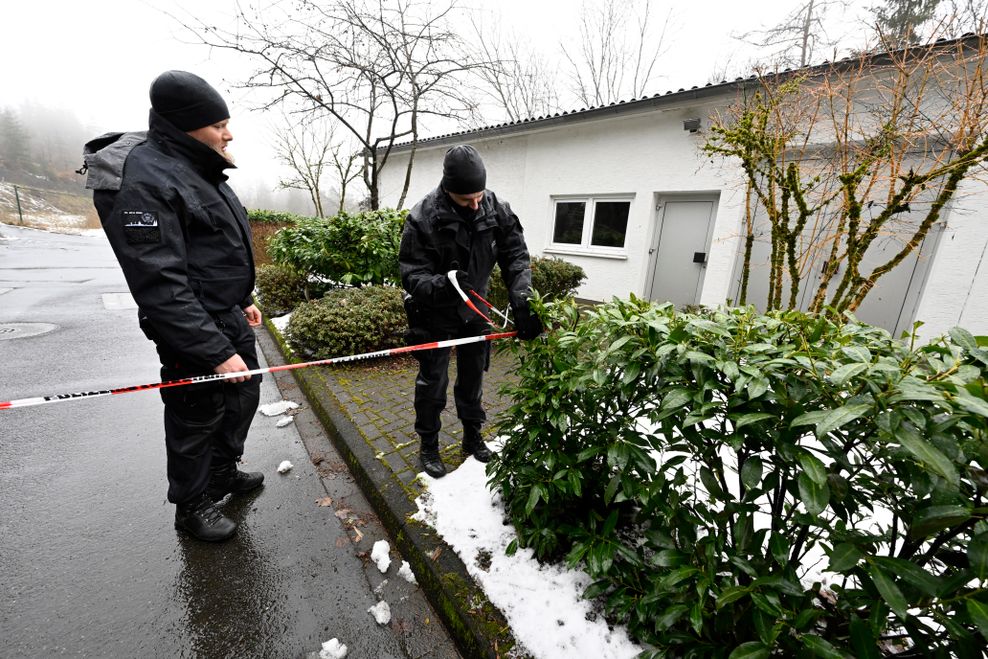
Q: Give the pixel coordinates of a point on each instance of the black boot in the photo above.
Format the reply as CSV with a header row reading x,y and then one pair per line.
x,y
226,478
473,443
201,518
429,456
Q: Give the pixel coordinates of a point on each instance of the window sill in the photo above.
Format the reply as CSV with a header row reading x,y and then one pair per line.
x,y
576,251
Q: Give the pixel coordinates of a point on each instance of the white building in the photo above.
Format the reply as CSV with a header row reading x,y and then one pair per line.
x,y
625,192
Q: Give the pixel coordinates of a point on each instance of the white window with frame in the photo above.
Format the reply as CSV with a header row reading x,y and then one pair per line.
x,y
591,225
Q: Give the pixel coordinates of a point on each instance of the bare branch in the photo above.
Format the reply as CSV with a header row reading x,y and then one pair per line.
x,y
375,67
617,52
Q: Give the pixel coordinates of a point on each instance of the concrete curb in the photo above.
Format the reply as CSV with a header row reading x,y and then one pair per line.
x,y
477,627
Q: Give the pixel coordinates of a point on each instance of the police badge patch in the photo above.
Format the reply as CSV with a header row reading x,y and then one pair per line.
x,y
141,227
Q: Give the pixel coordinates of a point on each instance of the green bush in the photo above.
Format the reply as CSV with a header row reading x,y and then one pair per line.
x,y
262,216
747,485
263,225
281,289
349,249
553,278
348,321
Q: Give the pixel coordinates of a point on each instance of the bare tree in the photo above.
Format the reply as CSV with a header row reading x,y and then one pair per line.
x,y
617,52
518,79
961,17
376,67
345,164
303,146
794,41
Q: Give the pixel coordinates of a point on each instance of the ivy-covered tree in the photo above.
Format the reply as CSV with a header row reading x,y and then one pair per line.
x,y
840,159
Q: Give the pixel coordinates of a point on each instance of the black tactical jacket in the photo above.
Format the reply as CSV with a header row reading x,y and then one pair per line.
x,y
436,240
179,232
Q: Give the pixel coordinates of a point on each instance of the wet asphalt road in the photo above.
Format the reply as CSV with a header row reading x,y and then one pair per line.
x,y
90,562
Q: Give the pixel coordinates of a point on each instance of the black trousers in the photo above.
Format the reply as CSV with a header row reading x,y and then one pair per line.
x,y
207,424
433,379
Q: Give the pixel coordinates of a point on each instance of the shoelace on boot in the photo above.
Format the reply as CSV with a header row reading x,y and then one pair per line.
x,y
209,513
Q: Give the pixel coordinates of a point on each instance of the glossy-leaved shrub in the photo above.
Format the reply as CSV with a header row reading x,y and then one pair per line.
x,y
740,484
348,321
351,249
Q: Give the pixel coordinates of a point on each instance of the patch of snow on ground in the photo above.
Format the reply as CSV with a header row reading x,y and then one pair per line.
x,y
380,555
405,572
281,322
284,422
285,467
381,612
332,649
542,603
276,409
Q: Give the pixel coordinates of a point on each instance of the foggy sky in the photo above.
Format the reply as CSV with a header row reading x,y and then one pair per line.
x,y
97,59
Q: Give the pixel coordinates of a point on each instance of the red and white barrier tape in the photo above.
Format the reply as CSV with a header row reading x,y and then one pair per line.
x,y
42,400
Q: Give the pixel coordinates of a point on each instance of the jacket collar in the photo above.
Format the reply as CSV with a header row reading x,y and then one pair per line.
x,y
447,217
177,143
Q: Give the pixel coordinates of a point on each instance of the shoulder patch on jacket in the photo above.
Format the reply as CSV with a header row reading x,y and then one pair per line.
x,y
141,227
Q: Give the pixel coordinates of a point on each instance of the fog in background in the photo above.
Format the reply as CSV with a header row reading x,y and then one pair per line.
x,y
74,70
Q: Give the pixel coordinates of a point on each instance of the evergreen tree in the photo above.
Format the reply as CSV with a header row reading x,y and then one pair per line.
x,y
898,22
14,143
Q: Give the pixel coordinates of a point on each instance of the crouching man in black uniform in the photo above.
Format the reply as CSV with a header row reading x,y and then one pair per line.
x,y
183,241
459,226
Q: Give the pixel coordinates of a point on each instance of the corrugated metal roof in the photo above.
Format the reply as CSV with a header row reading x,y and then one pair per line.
x,y
645,103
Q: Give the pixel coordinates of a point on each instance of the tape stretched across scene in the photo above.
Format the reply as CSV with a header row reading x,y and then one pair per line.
x,y
213,377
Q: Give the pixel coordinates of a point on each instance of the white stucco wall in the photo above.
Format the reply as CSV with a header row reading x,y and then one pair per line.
x,y
649,154
956,291
643,155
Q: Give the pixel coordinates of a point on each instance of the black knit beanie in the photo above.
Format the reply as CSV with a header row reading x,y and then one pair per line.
x,y
187,101
463,171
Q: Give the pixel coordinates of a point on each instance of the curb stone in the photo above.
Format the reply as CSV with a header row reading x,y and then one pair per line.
x,y
476,626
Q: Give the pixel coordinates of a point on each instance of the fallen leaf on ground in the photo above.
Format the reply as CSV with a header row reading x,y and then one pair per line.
x,y
324,502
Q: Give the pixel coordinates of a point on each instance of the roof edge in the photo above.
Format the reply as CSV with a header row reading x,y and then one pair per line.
x,y
656,100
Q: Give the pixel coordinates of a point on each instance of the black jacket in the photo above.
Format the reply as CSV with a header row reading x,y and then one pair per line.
x,y
436,240
179,232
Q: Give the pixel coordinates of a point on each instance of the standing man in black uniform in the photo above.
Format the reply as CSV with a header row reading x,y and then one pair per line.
x,y
183,241
460,226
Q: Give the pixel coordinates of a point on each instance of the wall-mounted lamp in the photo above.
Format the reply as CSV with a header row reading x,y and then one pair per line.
x,y
692,125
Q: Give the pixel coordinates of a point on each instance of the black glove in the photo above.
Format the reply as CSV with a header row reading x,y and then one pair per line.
x,y
528,324
463,279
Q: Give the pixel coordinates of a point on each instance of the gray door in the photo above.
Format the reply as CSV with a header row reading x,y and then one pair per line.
x,y
891,304
679,250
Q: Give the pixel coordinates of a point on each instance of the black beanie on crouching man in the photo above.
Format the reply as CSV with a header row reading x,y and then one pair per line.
x,y
463,171
187,101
